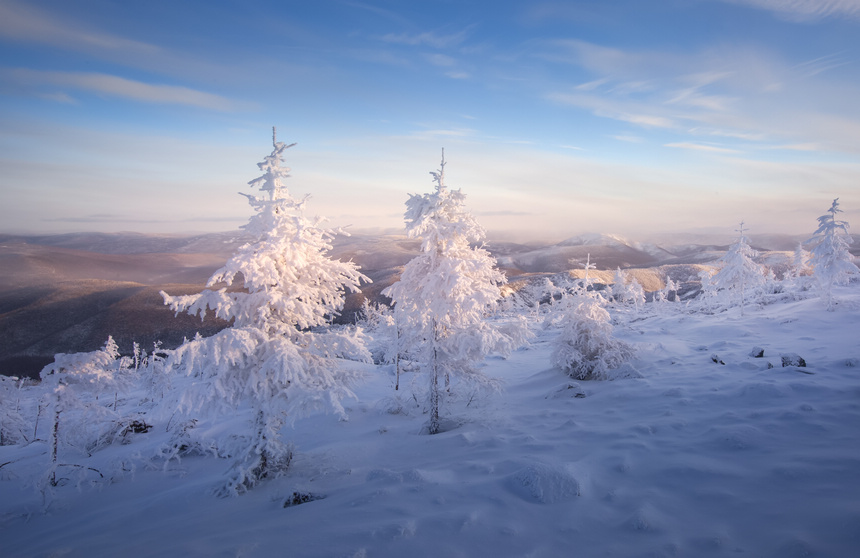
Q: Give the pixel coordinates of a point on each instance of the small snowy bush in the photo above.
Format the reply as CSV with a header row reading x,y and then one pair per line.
x,y
586,348
82,399
12,424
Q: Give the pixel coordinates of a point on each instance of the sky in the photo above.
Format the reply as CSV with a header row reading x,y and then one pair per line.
x,y
629,117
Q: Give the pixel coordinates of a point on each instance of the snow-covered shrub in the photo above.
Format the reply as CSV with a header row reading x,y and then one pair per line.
x,y
831,261
271,359
82,399
378,321
586,348
445,293
151,371
12,424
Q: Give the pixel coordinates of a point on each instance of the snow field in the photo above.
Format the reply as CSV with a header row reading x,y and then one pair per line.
x,y
695,458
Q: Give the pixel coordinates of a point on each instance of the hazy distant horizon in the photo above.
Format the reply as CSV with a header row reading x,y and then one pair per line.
x,y
524,237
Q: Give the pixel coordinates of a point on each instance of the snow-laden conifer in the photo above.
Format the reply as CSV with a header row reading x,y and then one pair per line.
x,y
738,272
831,261
270,359
444,294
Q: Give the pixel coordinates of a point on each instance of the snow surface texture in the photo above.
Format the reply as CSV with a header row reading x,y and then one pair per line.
x,y
695,458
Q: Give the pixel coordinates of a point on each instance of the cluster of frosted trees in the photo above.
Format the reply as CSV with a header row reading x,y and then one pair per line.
x,y
281,359
738,275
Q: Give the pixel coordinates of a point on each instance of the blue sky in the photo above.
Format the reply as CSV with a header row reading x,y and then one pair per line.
x,y
557,118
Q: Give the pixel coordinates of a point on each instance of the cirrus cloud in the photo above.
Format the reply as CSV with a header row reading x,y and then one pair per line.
x,y
116,86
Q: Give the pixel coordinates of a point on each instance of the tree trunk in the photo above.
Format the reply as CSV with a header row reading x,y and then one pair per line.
x,y
55,440
263,469
434,388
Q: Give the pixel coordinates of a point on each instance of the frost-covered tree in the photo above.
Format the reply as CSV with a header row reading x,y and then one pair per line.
x,y
637,294
738,272
831,261
75,383
270,358
668,292
12,424
586,348
585,285
627,290
445,293
620,286
709,294
796,278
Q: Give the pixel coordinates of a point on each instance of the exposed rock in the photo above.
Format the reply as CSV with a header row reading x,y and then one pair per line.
x,y
301,498
792,359
570,389
716,359
757,352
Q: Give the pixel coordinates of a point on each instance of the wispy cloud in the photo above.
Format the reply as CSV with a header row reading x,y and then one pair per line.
x,y
21,22
701,147
63,98
115,86
820,64
806,10
387,14
800,147
427,38
441,133
67,28
610,108
741,92
592,85
441,60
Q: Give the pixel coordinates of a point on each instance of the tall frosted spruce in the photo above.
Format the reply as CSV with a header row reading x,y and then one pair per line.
x,y
831,261
445,293
270,359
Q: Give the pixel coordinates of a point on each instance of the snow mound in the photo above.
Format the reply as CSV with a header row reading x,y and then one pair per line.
x,y
547,484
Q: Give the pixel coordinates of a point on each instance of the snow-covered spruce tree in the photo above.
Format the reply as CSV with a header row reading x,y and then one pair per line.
x,y
444,294
270,359
738,272
831,261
